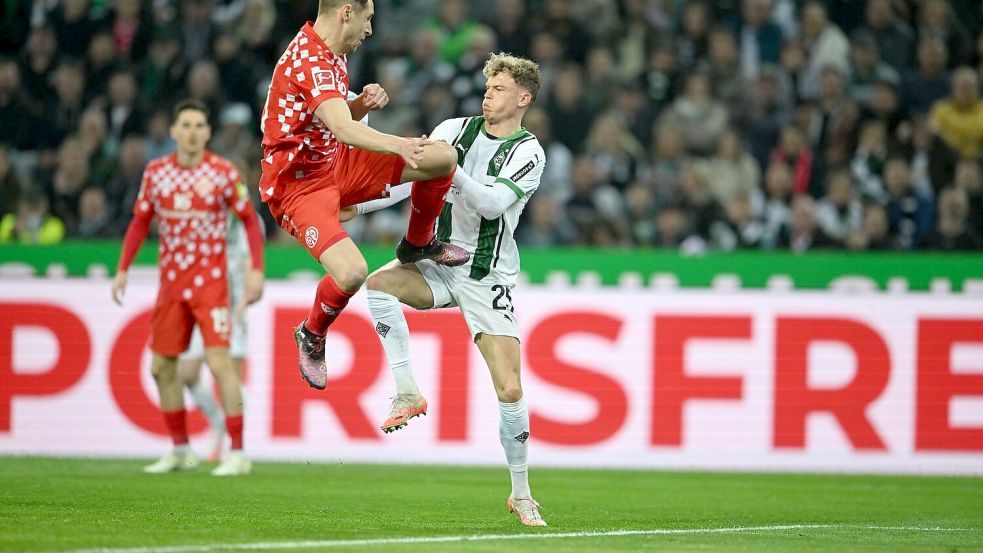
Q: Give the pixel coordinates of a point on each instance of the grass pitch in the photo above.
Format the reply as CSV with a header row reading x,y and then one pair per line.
x,y
72,504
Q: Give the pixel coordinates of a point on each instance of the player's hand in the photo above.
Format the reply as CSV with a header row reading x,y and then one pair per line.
x,y
347,213
374,97
411,150
119,287
254,286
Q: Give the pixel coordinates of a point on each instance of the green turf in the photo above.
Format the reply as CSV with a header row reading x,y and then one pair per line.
x,y
67,504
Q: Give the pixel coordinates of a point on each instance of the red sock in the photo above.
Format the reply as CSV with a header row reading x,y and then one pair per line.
x,y
177,425
328,304
233,425
426,201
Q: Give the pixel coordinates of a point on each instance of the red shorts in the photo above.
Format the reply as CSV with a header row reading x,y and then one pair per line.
x,y
173,321
355,176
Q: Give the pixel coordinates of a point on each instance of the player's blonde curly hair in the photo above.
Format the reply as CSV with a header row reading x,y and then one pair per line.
x,y
524,72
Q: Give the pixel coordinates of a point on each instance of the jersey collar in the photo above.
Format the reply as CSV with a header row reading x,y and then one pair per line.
x,y
308,29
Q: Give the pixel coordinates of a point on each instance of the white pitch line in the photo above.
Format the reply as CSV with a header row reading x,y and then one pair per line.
x,y
262,546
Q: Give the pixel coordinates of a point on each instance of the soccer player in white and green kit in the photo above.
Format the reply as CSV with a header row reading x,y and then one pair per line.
x,y
499,167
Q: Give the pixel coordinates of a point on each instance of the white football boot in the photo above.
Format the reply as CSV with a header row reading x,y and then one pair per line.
x,y
172,461
235,464
528,511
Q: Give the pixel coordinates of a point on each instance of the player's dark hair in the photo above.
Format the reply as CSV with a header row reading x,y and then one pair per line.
x,y
324,6
196,105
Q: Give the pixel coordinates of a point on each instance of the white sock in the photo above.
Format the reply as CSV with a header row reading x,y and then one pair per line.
x,y
513,431
390,325
205,400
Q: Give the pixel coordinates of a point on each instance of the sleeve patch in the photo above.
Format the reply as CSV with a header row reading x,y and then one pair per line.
x,y
523,171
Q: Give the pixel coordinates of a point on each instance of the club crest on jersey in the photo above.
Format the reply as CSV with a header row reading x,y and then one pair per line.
x,y
311,237
204,187
498,161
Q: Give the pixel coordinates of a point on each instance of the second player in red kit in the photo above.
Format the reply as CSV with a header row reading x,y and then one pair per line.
x,y
318,158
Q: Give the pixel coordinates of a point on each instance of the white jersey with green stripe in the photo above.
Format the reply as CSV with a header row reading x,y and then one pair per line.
x,y
515,161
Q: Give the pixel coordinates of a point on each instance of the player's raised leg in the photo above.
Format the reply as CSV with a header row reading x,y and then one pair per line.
x,y
433,176
501,353
171,392
230,388
345,270
387,287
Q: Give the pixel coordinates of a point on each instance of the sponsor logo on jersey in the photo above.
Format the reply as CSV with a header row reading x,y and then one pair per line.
x,y
523,172
311,237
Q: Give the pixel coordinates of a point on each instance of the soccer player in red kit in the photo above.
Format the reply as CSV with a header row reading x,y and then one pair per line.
x,y
318,158
190,192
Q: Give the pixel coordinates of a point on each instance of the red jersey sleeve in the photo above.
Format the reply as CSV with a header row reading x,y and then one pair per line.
x,y
318,80
236,197
144,207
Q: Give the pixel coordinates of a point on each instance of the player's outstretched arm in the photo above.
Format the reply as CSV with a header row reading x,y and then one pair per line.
x,y
338,117
136,234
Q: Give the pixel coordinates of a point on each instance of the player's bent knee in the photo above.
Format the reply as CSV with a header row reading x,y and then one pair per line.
x,y
380,281
510,394
351,278
441,158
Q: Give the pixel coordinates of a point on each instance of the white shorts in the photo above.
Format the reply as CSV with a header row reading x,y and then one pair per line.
x,y
487,307
237,337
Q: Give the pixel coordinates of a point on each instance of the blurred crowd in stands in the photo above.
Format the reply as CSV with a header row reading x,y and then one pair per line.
x,y
753,124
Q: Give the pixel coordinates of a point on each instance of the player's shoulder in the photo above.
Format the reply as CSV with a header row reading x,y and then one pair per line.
x,y
220,163
528,142
158,164
455,123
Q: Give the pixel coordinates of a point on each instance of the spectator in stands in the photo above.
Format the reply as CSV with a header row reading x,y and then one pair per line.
x,y
723,69
616,155
642,216
569,113
10,183
555,181
840,212
556,18
760,39
921,88
162,72
232,138
767,111
894,37
699,117
959,118
867,69
953,231
545,226
32,223
203,85
255,29
131,26
455,28
592,198
38,63
885,106
101,61
124,114
62,112
95,219
512,27
662,78
969,179
600,77
666,169
73,26
794,152
739,229
936,19
70,177
825,46
195,30
635,113
17,123
909,212
159,142
122,188
731,173
673,226
691,43
875,234
468,83
802,233
777,211
868,160
235,74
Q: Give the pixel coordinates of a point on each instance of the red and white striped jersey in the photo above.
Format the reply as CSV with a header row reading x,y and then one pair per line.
x,y
295,142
